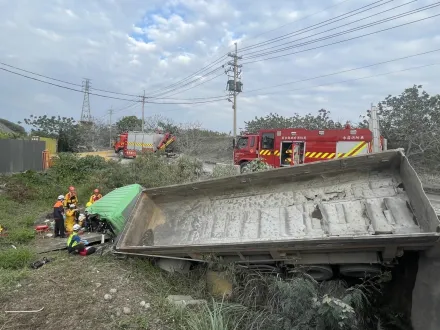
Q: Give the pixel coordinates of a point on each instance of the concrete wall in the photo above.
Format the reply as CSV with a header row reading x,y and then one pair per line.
x,y
21,155
425,314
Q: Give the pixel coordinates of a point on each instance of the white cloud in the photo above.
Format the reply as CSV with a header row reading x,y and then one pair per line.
x,y
70,13
332,88
184,59
48,34
131,45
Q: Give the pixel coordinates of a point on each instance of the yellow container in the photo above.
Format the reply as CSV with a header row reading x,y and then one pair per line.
x,y
51,144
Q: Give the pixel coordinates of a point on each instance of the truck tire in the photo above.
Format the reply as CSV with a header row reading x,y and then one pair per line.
x,y
121,153
244,167
360,270
319,272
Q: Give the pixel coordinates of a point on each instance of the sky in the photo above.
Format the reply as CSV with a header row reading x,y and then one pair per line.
x,y
128,46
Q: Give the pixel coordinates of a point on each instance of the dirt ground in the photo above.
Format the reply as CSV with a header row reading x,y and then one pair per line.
x,y
71,291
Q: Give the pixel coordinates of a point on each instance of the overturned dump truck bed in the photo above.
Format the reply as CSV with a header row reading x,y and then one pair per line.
x,y
367,209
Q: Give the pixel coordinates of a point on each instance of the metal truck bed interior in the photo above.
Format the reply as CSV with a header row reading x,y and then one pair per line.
x,y
370,207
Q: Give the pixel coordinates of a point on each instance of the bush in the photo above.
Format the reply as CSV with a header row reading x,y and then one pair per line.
x,y
20,236
152,170
256,165
16,258
29,186
20,191
70,167
270,303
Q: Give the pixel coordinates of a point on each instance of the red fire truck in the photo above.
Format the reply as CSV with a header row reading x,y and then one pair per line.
x,y
131,143
292,146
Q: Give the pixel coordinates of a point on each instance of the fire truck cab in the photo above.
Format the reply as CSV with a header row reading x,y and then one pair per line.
x,y
294,146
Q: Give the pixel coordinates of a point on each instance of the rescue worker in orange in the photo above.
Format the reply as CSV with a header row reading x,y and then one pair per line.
x,y
71,197
58,215
95,197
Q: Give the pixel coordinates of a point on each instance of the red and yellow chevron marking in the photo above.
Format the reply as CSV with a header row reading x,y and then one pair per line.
x,y
276,152
330,155
320,155
265,152
140,144
356,150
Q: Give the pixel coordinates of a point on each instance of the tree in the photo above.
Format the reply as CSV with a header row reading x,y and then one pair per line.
x,y
411,121
64,129
129,123
272,121
101,134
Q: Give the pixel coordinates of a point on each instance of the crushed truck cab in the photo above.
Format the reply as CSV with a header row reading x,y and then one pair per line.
x,y
356,213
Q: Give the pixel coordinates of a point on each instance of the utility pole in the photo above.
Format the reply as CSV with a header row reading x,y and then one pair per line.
x,y
110,111
143,114
375,129
234,86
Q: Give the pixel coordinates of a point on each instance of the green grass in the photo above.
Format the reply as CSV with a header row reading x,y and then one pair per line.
x,y
16,258
10,277
18,218
216,316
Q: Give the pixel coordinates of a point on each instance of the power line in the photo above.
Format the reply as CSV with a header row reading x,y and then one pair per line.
x,y
64,81
351,80
341,41
204,82
78,85
106,96
295,21
225,55
312,27
166,89
328,37
344,71
391,18
186,84
65,87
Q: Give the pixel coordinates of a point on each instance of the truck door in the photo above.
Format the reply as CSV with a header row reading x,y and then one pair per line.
x,y
267,149
351,148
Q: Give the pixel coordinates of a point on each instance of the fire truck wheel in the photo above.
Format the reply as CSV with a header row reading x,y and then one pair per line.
x,y
244,167
121,153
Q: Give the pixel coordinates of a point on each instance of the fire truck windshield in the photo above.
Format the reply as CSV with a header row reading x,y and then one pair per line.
x,y
242,142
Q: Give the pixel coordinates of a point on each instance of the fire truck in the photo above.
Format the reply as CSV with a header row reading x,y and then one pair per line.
x,y
293,146
129,144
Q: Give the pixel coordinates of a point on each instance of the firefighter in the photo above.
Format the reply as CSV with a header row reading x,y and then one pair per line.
x,y
70,218
74,242
71,197
289,154
95,197
58,215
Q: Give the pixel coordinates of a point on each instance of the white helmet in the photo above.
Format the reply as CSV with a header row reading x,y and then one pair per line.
x,y
72,206
60,197
76,227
